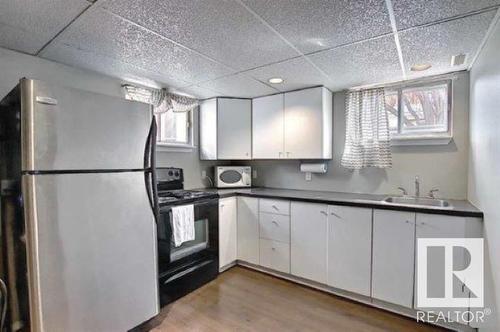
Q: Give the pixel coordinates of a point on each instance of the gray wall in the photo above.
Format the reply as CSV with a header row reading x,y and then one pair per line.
x,y
444,167
14,65
484,162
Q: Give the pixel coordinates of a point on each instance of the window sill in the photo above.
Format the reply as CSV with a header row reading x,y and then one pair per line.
x,y
421,140
166,147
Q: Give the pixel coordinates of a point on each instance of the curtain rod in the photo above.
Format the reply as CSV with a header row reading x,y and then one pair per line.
x,y
403,83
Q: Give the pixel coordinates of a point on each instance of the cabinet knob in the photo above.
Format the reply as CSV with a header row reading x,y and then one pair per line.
x,y
274,222
324,212
273,248
288,154
275,207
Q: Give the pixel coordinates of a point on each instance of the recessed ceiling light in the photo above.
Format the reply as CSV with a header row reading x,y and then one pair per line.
x,y
275,80
421,67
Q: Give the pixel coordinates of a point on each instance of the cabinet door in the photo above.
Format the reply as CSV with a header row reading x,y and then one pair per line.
x,y
441,226
267,127
234,128
308,241
393,256
349,248
248,229
227,231
308,124
208,129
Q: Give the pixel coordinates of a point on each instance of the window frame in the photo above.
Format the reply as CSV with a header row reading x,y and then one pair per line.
x,y
429,138
176,146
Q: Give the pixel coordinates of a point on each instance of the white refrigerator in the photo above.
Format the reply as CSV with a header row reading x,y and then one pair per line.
x,y
88,196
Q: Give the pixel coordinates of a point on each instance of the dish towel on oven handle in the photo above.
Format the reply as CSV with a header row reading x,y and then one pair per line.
x,y
183,223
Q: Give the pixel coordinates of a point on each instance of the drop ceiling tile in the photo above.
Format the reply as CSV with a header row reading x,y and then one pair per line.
x,y
318,24
297,73
107,35
105,65
221,29
411,13
198,92
436,44
239,85
27,25
371,62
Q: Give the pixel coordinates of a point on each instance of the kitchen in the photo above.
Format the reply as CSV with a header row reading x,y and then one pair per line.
x,y
249,165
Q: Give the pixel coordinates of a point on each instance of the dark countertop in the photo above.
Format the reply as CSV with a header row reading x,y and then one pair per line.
x,y
458,207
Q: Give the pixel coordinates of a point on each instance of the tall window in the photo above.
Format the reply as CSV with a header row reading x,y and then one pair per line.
x,y
419,111
174,128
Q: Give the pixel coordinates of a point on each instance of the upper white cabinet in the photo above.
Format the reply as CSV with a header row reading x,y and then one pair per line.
x,y
308,241
226,129
248,229
308,124
268,127
349,248
227,231
393,256
291,125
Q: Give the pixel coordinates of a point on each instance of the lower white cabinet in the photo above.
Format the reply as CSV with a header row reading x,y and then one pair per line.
x,y
308,241
227,231
439,226
349,248
248,229
275,255
393,256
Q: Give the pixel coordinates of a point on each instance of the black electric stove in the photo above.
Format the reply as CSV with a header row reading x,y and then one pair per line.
x,y
184,268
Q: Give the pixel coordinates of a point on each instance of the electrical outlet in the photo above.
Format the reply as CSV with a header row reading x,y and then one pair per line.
x,y
308,176
254,174
203,174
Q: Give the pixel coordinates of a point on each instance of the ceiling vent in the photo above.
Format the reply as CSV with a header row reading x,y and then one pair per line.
x,y
458,60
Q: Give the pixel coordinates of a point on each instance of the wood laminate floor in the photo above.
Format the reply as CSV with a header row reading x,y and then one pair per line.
x,y
244,300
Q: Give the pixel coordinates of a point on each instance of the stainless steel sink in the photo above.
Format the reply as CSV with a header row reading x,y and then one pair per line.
x,y
417,201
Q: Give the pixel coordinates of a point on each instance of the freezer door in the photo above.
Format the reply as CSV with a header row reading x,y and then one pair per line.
x,y
92,251
70,129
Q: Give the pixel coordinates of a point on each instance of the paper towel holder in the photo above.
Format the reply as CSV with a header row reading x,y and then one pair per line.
x,y
310,168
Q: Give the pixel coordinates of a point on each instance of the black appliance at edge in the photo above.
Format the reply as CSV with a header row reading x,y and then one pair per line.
x,y
187,267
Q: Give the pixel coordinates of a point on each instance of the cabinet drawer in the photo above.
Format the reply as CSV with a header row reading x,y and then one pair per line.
x,y
274,227
274,206
275,255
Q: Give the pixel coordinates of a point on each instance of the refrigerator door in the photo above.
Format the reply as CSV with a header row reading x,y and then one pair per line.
x,y
70,129
92,251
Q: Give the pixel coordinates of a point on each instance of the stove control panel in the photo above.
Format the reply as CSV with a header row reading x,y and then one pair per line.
x,y
169,174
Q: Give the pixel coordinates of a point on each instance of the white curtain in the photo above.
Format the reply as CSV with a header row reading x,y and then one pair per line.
x,y
156,97
367,139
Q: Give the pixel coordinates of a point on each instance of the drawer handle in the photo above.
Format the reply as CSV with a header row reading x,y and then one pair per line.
x,y
324,212
274,222
275,207
336,215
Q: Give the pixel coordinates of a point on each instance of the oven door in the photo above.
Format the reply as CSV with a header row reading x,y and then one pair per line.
x,y
205,244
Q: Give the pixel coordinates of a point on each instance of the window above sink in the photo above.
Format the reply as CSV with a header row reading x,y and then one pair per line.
x,y
420,114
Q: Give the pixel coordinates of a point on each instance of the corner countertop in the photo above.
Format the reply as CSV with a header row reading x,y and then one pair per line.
x,y
458,207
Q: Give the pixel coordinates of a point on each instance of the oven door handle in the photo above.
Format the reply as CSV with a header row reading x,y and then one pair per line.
x,y
186,271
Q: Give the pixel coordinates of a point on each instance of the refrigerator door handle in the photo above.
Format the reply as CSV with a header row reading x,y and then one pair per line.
x,y
150,166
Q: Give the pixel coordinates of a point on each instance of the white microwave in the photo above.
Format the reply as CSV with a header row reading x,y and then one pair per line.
x,y
233,176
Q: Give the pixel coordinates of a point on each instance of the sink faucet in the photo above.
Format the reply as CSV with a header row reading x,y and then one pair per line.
x,y
417,186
